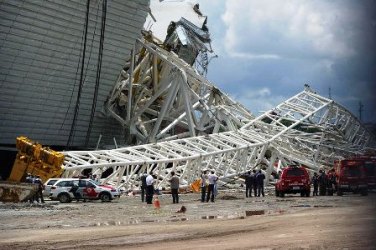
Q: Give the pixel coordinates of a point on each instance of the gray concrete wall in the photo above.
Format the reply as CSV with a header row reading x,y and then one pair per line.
x,y
41,44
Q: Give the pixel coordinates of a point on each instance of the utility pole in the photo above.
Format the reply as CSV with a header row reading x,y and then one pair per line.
x,y
330,93
360,110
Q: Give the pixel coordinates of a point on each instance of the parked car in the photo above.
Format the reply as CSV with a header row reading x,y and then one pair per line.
x,y
293,180
48,184
87,189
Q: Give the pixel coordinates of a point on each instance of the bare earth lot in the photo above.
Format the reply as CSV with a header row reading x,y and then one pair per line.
x,y
232,222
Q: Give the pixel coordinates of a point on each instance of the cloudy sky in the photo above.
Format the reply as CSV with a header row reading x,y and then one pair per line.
x,y
268,49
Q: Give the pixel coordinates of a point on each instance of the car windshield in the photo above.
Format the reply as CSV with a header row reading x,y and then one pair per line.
x,y
95,182
352,172
64,184
82,183
51,182
295,172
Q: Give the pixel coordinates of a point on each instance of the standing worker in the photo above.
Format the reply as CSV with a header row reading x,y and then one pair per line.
x,y
322,182
315,182
249,180
74,191
40,188
143,186
149,189
254,182
174,182
330,182
260,177
211,191
204,184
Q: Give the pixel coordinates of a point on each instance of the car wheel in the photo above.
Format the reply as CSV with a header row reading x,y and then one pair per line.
x,y
276,193
282,194
105,197
64,198
302,193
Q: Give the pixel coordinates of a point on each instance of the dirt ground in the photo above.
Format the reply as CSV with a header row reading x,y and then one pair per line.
x,y
232,222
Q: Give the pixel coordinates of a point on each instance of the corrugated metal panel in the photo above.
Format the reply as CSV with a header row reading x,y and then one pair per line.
x,y
40,51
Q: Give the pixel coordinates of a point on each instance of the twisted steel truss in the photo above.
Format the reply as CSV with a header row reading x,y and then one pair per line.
x,y
182,123
161,97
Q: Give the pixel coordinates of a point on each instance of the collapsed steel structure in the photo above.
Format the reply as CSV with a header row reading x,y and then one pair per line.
x,y
183,123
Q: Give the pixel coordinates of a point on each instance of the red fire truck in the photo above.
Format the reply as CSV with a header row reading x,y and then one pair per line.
x,y
351,176
370,171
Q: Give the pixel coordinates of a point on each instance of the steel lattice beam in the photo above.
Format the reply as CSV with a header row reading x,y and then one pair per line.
x,y
225,152
170,100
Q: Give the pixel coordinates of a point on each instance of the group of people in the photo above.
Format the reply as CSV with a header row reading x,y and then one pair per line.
x,y
323,183
38,196
208,186
148,190
254,181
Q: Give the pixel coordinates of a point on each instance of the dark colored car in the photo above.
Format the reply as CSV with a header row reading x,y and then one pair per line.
x,y
293,180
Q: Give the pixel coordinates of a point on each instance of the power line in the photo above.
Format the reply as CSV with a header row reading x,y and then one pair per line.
x,y
99,67
78,67
76,109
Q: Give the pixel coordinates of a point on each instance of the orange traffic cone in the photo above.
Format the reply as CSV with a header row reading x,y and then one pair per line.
x,y
156,202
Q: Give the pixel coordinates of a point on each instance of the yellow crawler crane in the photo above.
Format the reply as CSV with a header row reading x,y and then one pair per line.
x,y
34,159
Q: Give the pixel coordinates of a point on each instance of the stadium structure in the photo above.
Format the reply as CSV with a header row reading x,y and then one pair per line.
x,y
123,100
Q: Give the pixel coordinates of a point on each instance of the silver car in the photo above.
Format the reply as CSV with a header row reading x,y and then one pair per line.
x,y
47,186
66,190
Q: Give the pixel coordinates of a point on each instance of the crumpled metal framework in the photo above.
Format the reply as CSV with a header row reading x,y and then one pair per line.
x,y
185,124
167,99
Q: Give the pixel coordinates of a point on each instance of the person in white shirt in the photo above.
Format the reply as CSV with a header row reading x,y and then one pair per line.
x,y
212,181
204,184
149,189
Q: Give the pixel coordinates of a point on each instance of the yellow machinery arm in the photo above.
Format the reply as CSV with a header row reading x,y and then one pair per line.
x,y
37,160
